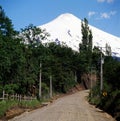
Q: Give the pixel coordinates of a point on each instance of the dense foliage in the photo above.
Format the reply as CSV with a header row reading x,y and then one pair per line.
x,y
109,99
21,55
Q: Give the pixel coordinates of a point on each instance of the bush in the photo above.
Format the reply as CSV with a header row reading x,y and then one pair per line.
x,y
10,88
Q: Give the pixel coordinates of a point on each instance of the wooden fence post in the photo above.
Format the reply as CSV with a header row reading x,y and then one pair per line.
x,y
3,95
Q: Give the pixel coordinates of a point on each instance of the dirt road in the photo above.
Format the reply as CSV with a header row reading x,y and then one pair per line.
x,y
69,108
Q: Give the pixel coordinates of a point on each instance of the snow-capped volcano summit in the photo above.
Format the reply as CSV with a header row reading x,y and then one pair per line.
x,y
66,28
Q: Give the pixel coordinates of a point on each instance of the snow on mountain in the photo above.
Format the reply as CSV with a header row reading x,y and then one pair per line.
x,y
66,28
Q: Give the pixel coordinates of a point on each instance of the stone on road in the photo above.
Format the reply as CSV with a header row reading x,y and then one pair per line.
x,y
68,108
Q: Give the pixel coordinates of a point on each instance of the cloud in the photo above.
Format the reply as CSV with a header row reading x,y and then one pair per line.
x,y
113,12
108,1
101,1
107,15
104,15
91,13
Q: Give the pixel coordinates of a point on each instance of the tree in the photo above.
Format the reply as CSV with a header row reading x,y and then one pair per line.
x,y
108,50
6,27
85,47
11,55
86,44
7,46
32,35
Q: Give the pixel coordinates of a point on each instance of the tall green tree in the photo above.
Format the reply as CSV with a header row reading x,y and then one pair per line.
x,y
6,35
10,51
85,47
34,52
6,27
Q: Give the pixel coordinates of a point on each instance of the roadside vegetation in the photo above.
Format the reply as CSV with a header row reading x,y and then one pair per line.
x,y
11,108
21,54
109,98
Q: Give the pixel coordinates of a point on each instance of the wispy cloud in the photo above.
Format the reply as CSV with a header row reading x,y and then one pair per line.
x,y
91,13
107,15
113,12
104,15
101,1
108,1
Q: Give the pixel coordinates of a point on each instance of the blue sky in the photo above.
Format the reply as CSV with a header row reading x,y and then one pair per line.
x,y
103,14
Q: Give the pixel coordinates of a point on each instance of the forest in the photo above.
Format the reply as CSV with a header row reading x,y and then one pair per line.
x,y
23,56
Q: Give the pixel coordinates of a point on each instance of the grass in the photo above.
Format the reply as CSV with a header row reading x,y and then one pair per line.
x,y
30,104
6,105
12,104
9,104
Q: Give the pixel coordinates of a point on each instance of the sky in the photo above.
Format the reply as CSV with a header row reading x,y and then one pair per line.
x,y
103,14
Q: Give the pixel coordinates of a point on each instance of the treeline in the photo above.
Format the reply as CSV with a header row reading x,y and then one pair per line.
x,y
21,54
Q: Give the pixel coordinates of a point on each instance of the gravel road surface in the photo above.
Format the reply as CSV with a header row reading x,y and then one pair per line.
x,y
68,108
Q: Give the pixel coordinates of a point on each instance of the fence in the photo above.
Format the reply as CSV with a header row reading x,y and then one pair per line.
x,y
16,97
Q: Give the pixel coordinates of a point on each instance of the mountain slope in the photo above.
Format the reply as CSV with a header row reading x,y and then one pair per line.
x,y
66,28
